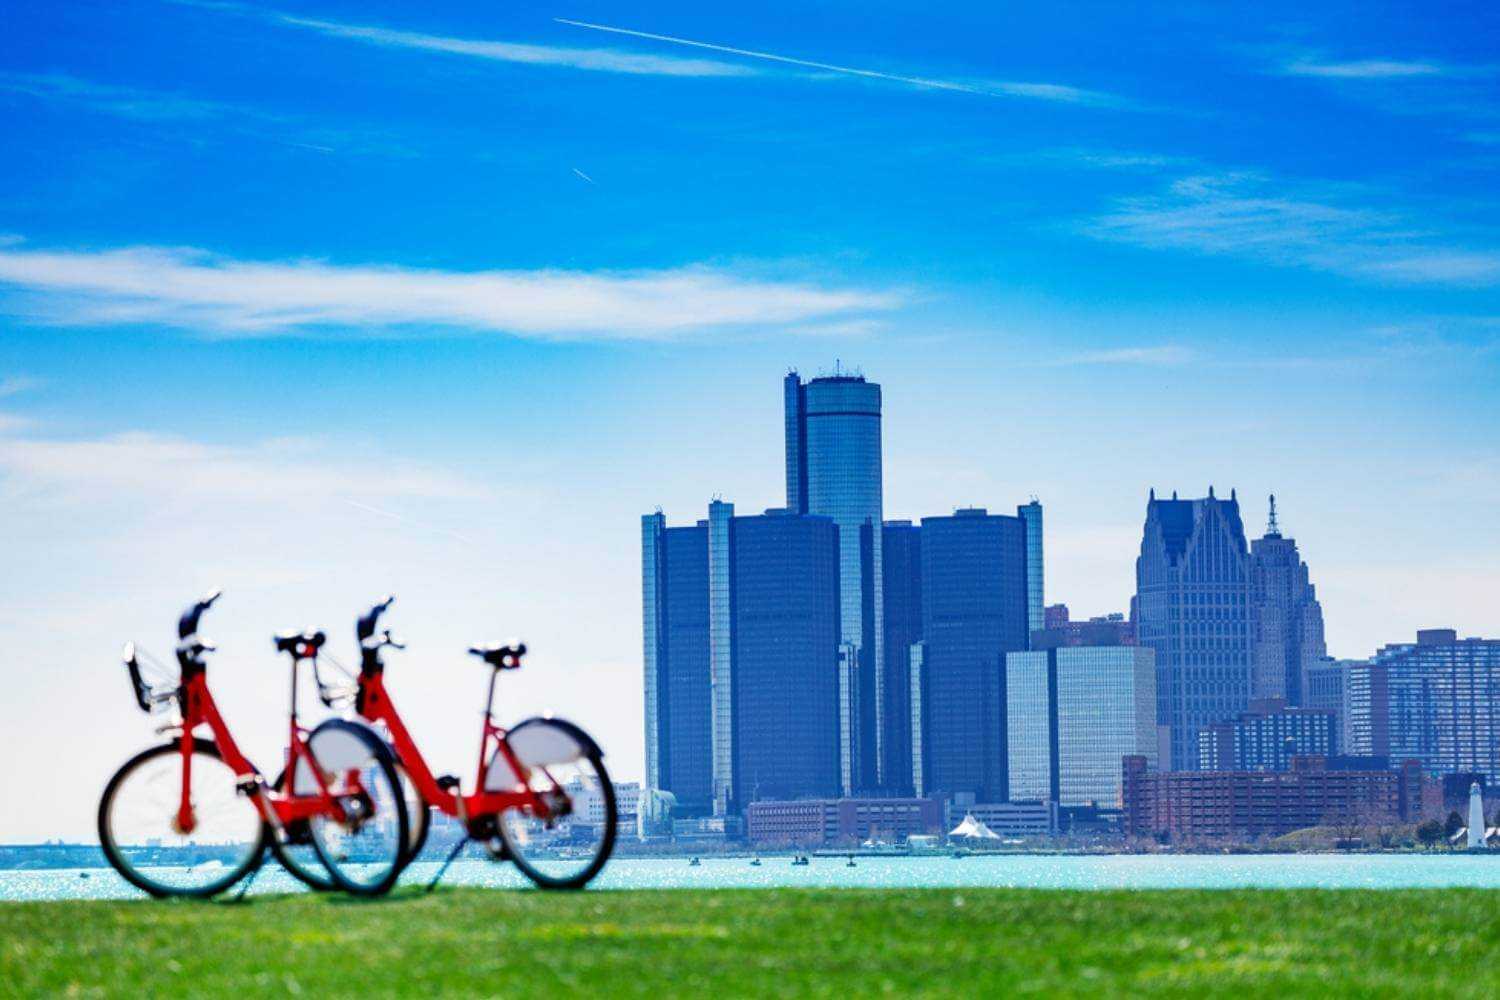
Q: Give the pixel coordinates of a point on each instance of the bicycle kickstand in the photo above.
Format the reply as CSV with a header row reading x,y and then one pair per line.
x,y
245,885
443,869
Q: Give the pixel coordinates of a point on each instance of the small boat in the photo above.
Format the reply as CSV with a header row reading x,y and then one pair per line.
x,y
83,874
851,863
694,863
755,863
800,860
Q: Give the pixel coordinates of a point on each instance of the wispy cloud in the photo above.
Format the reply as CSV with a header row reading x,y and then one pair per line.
x,y
11,385
1363,69
1055,92
1246,216
269,471
194,289
123,102
1163,355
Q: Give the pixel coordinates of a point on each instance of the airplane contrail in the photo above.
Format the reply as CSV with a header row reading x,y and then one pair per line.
x,y
407,520
916,81
988,88
585,176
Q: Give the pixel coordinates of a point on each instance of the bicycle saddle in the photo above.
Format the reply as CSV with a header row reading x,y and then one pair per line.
x,y
302,645
501,656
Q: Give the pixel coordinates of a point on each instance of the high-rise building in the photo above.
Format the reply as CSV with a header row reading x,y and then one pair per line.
x,y
1323,688
833,469
902,542
1442,702
974,610
784,638
1192,607
1073,713
1266,737
1286,617
741,653
674,577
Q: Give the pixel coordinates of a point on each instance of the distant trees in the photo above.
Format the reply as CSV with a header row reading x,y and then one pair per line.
x,y
1430,833
1453,824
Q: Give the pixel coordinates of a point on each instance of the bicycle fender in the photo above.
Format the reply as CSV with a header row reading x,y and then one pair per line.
x,y
340,745
538,742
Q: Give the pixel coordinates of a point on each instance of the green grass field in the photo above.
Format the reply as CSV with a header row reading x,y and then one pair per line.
x,y
844,943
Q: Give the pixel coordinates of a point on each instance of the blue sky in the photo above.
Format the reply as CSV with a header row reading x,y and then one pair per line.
x,y
319,301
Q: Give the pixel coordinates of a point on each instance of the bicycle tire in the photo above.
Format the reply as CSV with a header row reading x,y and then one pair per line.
x,y
382,761
315,878
517,851
128,871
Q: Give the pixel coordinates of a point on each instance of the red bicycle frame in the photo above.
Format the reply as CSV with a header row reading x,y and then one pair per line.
x,y
374,703
277,809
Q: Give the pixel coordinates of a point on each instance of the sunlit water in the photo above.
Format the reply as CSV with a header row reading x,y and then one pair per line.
x,y
1311,871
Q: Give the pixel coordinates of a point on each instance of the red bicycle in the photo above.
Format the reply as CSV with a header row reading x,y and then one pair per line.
x,y
193,816
542,797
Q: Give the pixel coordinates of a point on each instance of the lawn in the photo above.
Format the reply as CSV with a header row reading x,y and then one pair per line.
x,y
838,942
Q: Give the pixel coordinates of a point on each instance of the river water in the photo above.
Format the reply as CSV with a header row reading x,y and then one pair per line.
x,y
1028,871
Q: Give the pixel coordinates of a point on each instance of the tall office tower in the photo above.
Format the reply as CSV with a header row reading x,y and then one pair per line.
x,y
974,611
832,426
902,544
1074,712
1266,738
1365,711
1441,706
1192,606
774,646
1286,617
674,584
1036,605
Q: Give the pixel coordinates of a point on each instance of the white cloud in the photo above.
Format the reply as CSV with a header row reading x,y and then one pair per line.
x,y
601,60
1164,354
123,102
991,88
194,289
1363,69
166,467
10,385
1246,216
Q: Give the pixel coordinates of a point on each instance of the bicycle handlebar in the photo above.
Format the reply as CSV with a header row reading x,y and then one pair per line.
x,y
188,623
366,626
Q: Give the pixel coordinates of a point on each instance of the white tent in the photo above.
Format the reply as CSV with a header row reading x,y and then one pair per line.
x,y
973,829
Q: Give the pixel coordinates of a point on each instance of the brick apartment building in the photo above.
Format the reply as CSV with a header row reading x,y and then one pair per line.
x,y
1242,805
819,822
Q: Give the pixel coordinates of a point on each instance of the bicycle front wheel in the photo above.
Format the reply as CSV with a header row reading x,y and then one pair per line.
x,y
565,850
368,843
141,829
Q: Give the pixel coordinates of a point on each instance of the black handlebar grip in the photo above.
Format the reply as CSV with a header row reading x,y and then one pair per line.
x,y
366,626
188,623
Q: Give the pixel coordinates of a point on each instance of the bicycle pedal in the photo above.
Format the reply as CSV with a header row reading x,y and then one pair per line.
x,y
448,782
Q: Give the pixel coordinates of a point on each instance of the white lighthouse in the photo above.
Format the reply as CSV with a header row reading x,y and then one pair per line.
x,y
1476,817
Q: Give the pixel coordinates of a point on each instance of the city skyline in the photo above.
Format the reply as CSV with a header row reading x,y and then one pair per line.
x,y
320,301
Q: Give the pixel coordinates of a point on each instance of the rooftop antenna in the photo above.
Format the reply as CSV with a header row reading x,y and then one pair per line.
x,y
1273,530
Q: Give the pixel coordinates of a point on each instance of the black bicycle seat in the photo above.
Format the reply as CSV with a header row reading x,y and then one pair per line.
x,y
502,656
302,645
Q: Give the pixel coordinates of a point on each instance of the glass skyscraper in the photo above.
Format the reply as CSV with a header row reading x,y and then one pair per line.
x,y
1442,702
1074,712
1192,607
974,611
833,469
741,622
903,627
674,577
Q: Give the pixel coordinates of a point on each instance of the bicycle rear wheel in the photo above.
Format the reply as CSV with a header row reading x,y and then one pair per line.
x,y
567,849
141,835
298,855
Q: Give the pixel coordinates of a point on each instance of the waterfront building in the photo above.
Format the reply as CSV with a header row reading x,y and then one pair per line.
x,y
1266,737
833,469
674,583
1072,713
1008,820
1286,617
1242,805
902,544
975,609
1192,607
742,652
1441,702
840,821
1103,630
